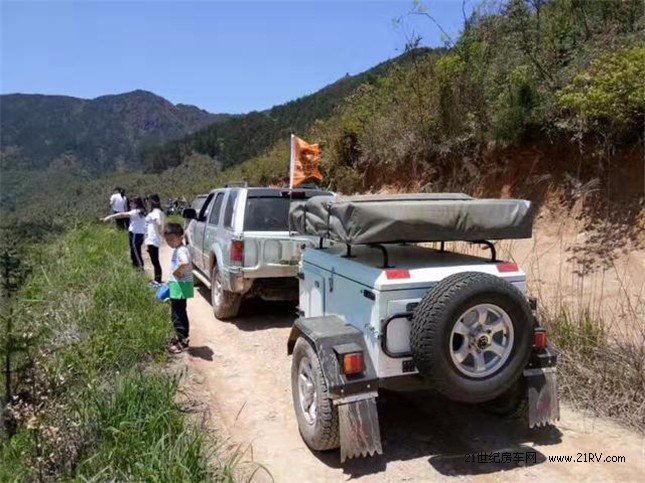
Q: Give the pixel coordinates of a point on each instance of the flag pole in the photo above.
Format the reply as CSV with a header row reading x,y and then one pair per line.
x,y
292,163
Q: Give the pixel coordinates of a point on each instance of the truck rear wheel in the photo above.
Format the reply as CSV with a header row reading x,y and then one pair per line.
x,y
226,305
471,336
316,414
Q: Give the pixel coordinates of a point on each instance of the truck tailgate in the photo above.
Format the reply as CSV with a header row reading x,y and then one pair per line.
x,y
273,254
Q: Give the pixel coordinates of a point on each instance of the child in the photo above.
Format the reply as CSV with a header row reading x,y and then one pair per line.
x,y
180,283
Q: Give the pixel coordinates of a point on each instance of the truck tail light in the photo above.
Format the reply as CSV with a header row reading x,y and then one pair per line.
x,y
353,363
540,340
237,251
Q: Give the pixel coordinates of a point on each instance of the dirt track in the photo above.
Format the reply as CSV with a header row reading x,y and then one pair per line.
x,y
240,370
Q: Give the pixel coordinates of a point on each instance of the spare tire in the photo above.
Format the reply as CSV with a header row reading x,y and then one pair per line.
x,y
471,336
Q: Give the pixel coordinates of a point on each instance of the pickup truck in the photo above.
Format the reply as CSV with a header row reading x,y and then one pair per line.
x,y
241,246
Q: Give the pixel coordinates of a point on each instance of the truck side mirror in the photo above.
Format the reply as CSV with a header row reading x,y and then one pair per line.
x,y
189,213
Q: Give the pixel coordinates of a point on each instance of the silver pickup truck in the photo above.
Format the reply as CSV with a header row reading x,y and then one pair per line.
x,y
241,245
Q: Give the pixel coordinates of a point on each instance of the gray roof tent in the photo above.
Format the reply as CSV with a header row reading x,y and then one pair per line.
x,y
417,217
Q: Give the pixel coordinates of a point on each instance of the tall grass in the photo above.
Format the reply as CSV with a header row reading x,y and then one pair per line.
x,y
601,358
138,434
89,404
595,320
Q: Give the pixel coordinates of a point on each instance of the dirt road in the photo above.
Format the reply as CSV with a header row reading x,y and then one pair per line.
x,y
241,371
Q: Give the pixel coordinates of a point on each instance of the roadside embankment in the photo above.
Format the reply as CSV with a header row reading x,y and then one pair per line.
x,y
87,397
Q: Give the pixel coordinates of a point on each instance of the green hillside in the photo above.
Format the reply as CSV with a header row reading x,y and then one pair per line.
x,y
102,133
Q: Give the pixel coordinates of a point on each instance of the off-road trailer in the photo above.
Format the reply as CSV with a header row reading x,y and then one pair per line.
x,y
378,311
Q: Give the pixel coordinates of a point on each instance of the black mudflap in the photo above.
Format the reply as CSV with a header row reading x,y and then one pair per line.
x,y
360,434
544,406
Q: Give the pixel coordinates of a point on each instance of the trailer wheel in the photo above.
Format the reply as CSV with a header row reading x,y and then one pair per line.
x,y
316,414
471,336
513,404
226,305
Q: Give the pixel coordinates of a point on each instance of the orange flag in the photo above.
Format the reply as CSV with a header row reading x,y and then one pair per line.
x,y
304,162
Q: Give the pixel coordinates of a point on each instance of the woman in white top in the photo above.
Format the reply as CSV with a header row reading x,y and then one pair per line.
x,y
136,230
155,221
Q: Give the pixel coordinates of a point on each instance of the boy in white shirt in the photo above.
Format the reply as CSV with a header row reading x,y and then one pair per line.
x,y
180,284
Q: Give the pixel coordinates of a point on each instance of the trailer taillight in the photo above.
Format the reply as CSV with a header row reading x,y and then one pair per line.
x,y
507,267
237,251
397,274
540,340
353,363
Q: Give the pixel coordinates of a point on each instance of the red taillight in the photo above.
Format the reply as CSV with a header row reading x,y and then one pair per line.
x,y
507,267
353,363
540,340
237,251
397,274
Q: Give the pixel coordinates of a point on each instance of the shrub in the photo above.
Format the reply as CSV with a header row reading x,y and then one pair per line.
x,y
610,95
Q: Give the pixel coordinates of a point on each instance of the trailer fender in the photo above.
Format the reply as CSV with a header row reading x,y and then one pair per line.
x,y
332,337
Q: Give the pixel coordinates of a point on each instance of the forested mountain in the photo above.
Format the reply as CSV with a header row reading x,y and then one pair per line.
x,y
102,133
242,137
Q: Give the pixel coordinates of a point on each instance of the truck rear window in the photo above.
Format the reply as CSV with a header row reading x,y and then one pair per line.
x,y
266,214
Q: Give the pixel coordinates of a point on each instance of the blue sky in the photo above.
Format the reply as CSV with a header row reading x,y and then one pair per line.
x,y
220,56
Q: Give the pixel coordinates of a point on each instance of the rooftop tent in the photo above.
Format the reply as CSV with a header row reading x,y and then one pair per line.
x,y
417,217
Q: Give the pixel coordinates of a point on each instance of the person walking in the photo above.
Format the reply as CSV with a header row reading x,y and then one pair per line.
x,y
180,285
155,223
136,229
118,205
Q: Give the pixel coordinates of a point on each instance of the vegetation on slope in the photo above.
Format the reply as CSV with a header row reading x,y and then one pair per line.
x,y
85,396
532,73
